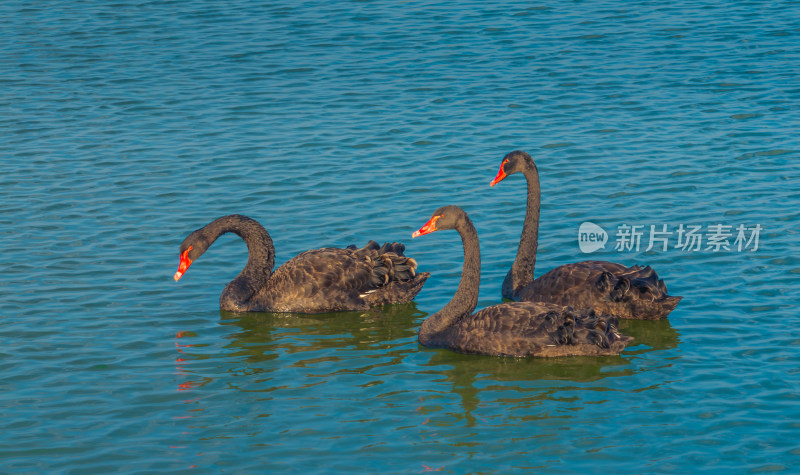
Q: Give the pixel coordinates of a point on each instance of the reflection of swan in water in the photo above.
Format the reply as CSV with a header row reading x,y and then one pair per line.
x,y
182,347
266,335
300,340
542,379
655,334
527,381
261,343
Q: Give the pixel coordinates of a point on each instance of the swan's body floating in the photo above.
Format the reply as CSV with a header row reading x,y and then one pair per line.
x,y
605,287
509,329
321,280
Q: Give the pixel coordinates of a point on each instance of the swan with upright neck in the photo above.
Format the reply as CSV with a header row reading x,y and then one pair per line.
x,y
320,280
633,292
511,329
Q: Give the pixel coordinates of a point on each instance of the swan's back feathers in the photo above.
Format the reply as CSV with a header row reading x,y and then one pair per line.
x,y
389,263
533,329
605,287
394,276
329,279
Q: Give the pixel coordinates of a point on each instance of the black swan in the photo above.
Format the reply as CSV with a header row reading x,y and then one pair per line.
x,y
605,287
509,329
321,280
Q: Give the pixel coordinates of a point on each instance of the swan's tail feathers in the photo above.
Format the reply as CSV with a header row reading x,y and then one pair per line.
x,y
604,332
366,250
662,286
390,267
638,294
388,263
593,333
644,278
646,272
403,268
397,291
649,285
670,302
373,249
394,277
380,274
392,247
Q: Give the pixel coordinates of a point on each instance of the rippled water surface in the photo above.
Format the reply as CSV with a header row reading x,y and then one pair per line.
x,y
126,125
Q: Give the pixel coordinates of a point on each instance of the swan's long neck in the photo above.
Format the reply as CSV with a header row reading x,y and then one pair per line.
x,y
260,260
466,297
521,273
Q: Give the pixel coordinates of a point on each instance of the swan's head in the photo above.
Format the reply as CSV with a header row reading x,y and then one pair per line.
x,y
191,248
446,217
514,162
185,261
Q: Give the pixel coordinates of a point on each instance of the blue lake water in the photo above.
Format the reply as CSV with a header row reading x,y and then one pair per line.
x,y
126,125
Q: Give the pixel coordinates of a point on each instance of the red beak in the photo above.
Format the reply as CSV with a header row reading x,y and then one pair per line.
x,y
500,175
428,228
184,264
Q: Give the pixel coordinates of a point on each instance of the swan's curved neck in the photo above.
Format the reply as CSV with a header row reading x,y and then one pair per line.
x,y
260,260
521,273
466,297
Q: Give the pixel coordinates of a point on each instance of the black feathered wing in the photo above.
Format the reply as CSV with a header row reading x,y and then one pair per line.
x,y
534,329
333,279
605,287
